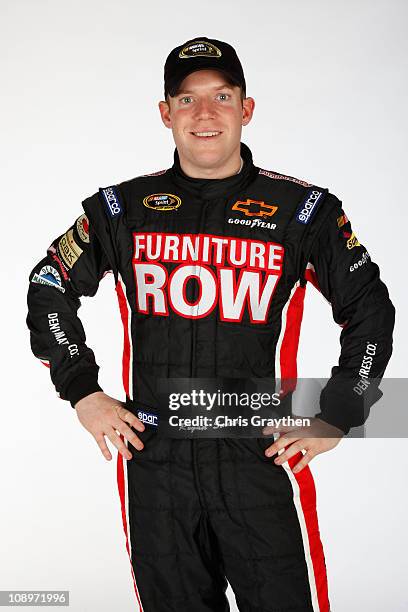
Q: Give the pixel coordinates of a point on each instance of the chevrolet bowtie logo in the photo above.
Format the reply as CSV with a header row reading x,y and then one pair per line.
x,y
255,208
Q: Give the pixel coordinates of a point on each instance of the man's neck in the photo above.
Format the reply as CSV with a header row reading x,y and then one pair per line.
x,y
234,166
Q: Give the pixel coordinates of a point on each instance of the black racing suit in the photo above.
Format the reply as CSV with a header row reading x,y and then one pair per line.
x,y
210,277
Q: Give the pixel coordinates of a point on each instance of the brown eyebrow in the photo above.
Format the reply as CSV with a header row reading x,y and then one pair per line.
x,y
224,86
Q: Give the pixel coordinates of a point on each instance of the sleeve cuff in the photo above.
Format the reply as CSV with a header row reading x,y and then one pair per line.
x,y
343,407
336,422
80,387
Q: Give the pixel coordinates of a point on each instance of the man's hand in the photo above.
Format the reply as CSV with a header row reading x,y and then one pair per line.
x,y
102,416
318,438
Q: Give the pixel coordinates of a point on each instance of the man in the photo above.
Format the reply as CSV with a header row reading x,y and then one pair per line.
x,y
211,259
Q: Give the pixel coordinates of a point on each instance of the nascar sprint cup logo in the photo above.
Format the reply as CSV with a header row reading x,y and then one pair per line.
x,y
162,201
200,48
308,207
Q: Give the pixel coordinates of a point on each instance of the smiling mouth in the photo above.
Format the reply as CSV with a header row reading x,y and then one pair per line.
x,y
206,135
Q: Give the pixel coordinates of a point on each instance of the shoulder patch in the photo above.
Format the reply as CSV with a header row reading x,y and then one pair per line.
x,y
111,198
283,177
307,208
68,250
48,275
82,227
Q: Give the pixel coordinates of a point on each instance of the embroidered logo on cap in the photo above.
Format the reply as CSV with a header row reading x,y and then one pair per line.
x,y
200,48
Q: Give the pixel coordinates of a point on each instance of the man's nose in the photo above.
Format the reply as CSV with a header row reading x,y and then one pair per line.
x,y
205,108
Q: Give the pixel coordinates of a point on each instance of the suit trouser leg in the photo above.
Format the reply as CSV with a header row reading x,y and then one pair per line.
x,y
174,552
206,510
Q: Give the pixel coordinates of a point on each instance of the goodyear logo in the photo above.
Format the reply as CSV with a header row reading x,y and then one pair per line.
x,y
200,48
148,417
255,208
308,207
112,202
162,201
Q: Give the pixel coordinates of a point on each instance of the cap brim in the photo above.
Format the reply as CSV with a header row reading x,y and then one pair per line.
x,y
173,85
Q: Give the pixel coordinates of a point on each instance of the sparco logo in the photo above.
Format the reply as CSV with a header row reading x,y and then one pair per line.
x,y
112,201
147,417
308,207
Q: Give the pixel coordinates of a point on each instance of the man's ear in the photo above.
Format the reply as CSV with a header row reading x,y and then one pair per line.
x,y
248,106
164,109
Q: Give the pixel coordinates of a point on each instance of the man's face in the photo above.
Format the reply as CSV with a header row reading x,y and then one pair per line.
x,y
206,104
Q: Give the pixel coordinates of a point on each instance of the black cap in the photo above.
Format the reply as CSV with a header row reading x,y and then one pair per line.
x,y
201,53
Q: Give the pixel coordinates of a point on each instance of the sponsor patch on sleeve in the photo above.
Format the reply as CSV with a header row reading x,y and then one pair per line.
x,y
111,198
342,220
68,249
48,275
82,226
308,206
351,240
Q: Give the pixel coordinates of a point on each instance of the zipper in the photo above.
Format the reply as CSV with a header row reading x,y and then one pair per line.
x,y
194,321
